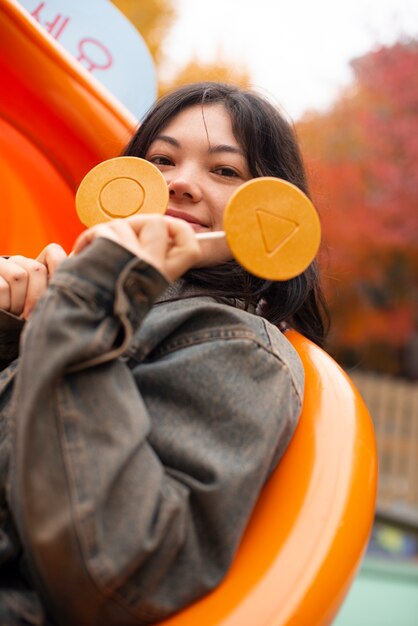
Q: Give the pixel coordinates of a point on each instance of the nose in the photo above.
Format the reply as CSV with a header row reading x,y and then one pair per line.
x,y
184,188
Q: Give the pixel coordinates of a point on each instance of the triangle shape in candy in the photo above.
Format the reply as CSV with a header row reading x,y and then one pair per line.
x,y
275,229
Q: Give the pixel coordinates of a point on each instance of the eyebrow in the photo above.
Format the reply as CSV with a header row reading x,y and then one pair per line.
x,y
168,139
225,148
212,149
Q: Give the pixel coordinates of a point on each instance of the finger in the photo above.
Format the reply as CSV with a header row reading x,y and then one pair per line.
x,y
36,282
37,285
4,295
125,235
52,256
181,233
184,251
118,230
16,279
157,241
148,238
84,240
28,278
153,236
167,243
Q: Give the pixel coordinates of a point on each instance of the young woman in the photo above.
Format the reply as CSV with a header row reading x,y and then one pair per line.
x,y
154,392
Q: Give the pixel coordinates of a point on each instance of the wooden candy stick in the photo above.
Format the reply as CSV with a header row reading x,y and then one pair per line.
x,y
270,225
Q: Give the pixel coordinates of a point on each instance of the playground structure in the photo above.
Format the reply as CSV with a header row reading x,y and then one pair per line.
x,y
309,530
56,123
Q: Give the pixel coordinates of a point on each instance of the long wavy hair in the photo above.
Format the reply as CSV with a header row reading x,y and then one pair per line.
x,y
271,148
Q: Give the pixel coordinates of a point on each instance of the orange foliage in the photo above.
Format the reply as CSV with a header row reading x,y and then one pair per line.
x,y
152,19
219,70
362,158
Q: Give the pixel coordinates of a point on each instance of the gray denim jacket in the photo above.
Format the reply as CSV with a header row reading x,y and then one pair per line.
x,y
140,438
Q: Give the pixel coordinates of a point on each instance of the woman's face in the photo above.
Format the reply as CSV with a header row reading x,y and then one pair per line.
x,y
203,165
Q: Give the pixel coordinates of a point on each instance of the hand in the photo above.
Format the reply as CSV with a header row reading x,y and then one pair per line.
x,y
167,243
23,280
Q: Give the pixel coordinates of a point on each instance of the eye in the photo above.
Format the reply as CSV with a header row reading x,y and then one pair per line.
x,y
228,172
160,160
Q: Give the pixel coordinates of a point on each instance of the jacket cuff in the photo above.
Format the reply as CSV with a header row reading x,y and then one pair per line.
x,y
10,329
108,272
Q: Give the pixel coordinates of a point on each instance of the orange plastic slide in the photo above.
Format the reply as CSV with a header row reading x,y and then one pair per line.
x,y
309,530
56,123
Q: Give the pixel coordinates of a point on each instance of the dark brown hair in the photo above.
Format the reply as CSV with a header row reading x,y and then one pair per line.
x,y
270,145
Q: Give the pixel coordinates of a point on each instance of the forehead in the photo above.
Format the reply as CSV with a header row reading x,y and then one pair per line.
x,y
211,121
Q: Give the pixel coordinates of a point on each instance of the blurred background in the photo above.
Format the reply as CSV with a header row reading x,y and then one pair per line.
x,y
347,77
346,74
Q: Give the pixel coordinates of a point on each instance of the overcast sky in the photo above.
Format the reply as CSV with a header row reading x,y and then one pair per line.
x,y
298,51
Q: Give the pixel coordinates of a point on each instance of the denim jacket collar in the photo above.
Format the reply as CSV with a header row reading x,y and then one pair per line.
x,y
182,289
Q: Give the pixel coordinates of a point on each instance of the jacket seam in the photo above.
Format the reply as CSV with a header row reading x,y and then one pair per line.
x,y
224,335
299,392
104,590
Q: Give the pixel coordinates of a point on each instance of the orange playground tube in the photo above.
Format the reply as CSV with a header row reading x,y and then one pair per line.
x,y
310,527
56,123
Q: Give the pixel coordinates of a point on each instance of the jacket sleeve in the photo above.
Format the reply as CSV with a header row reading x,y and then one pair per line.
x,y
10,330
115,532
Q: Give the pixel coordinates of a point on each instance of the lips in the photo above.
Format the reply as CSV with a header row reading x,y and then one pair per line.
x,y
186,217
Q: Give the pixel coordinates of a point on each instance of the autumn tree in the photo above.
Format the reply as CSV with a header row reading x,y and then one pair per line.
x,y
218,70
153,19
362,157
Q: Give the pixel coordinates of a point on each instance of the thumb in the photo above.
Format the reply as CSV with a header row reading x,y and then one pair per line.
x,y
52,256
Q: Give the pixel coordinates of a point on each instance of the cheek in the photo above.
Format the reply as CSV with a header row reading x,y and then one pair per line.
x,y
219,209
166,176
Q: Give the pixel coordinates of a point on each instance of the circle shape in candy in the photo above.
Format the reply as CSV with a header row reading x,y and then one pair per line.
x,y
129,189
